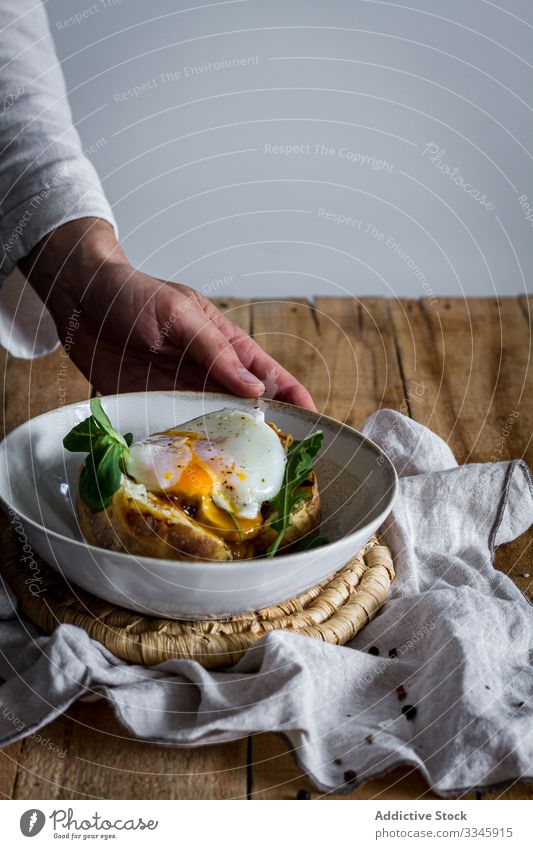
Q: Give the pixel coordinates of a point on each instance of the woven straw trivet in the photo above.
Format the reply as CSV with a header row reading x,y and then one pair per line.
x,y
333,611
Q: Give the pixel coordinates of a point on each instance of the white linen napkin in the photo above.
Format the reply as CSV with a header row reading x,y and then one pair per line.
x,y
450,692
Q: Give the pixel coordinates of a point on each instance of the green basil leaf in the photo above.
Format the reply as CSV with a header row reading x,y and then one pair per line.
x,y
297,469
103,420
83,436
101,475
100,415
106,450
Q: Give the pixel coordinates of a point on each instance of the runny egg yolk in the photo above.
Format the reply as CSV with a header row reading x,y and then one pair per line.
x,y
220,468
195,485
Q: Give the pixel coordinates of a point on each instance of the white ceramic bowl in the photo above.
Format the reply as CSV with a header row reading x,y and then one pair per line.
x,y
38,481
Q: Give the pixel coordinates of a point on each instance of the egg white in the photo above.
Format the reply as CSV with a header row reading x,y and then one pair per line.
x,y
243,455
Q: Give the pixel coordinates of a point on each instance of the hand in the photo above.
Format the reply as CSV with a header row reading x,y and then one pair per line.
x,y
137,332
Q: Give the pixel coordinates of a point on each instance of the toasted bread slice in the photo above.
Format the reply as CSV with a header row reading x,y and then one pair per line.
x,y
140,522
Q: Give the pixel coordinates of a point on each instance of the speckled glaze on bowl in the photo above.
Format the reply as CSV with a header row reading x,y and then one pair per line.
x,y
38,480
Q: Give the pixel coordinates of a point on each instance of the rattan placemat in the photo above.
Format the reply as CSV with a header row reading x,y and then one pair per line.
x,y
333,611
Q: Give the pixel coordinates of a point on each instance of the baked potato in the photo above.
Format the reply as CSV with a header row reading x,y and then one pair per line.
x,y
143,523
224,486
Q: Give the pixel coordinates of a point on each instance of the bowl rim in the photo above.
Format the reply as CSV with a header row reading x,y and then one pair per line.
x,y
209,564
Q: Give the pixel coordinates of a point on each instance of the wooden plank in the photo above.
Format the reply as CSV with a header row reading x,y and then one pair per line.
x,y
276,776
516,791
473,360
10,754
417,357
419,342
9,758
356,338
99,760
342,349
237,310
31,387
288,332
526,305
94,758
371,353
350,364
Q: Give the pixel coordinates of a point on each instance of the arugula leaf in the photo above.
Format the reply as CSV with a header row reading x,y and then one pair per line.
x,y
297,469
107,451
236,525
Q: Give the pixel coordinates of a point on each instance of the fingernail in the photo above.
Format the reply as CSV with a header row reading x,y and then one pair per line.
x,y
248,377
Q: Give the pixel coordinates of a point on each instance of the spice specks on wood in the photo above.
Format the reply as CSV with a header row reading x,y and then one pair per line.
x,y
409,711
401,692
303,794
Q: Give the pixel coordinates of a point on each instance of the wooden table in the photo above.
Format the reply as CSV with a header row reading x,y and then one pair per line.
x,y
460,367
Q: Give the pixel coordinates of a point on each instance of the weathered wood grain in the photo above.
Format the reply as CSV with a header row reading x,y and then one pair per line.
x,y
30,387
418,332
351,368
461,367
96,759
287,330
455,366
481,363
99,759
276,776
237,310
469,377
472,359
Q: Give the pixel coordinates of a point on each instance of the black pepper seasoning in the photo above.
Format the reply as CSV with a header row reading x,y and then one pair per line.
x,y
303,794
409,711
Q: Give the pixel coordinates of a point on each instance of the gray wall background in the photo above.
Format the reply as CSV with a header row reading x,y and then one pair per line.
x,y
291,147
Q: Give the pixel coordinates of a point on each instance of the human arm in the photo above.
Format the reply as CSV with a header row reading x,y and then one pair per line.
x,y
137,332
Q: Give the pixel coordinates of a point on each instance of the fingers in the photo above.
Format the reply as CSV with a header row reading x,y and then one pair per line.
x,y
232,358
279,383
299,396
201,340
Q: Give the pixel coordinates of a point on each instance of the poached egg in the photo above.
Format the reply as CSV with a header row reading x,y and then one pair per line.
x,y
221,467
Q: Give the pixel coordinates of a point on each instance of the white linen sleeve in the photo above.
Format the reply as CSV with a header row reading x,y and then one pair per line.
x,y
45,178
